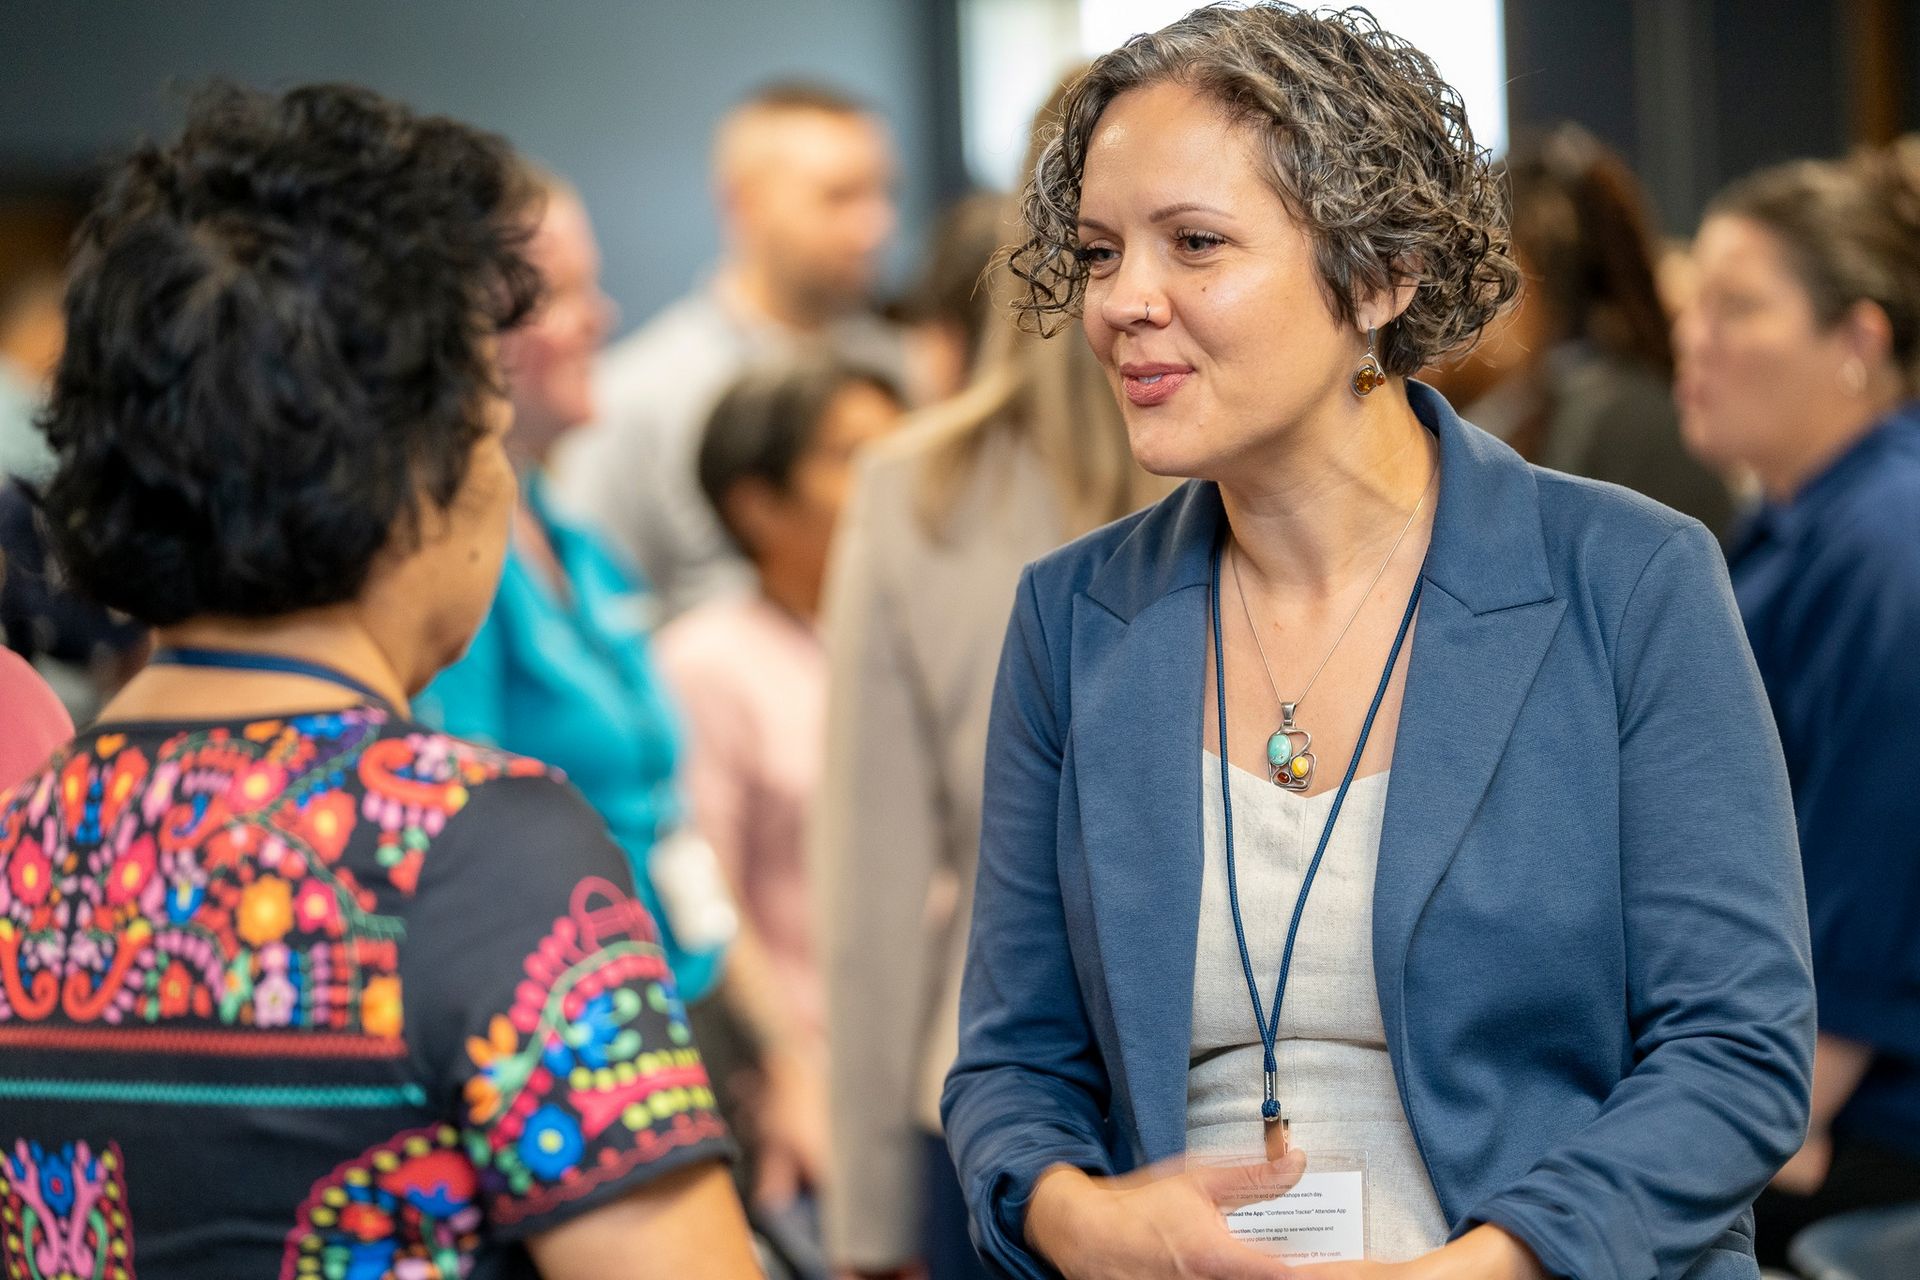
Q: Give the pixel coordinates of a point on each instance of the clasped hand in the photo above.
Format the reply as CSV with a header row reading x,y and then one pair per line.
x,y
1167,1222
1160,1222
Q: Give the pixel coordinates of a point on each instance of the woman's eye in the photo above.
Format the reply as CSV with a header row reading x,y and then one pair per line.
x,y
1198,241
1094,256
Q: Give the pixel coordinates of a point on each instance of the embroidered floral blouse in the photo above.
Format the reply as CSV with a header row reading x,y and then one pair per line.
x,y
326,996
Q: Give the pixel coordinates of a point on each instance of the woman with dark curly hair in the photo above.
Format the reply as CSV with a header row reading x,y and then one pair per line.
x,y
290,984
1376,799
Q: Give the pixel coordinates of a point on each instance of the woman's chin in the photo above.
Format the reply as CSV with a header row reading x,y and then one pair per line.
x,y
1171,453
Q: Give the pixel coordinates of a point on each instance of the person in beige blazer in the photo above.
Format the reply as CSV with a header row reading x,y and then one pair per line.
x,y
943,518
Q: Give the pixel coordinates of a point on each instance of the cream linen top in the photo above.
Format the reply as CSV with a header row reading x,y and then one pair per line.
x,y
1336,1080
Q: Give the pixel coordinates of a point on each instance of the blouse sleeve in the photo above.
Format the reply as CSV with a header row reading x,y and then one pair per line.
x,y
542,1011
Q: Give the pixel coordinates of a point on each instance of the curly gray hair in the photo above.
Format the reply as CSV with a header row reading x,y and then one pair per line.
x,y
1362,139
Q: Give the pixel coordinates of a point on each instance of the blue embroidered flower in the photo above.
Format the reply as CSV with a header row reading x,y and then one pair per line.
x,y
596,1027
551,1143
587,1038
56,1178
371,1259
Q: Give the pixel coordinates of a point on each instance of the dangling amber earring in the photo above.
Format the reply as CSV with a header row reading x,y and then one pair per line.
x,y
1369,375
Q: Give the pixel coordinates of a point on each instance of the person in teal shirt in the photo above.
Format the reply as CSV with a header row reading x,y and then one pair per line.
x,y
567,678
561,670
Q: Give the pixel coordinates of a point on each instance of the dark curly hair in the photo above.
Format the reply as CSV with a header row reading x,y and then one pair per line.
x,y
279,339
1363,140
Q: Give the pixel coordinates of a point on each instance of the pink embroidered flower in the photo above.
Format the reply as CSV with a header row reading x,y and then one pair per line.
x,y
273,1001
315,909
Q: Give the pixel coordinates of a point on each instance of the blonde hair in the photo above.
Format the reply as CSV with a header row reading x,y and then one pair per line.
x,y
1049,392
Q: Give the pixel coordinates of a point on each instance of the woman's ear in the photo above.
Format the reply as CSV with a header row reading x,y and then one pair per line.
x,y
1377,308
1866,335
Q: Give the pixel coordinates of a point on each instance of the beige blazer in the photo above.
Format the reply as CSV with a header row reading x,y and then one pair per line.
x,y
913,632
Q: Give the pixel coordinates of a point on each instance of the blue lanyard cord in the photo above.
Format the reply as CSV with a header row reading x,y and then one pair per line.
x,y
1269,1024
250,660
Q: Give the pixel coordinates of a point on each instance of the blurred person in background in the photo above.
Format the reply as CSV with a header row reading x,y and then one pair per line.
x,y
83,652
563,671
776,460
943,518
803,176
946,314
1579,375
397,981
1799,361
32,721
31,335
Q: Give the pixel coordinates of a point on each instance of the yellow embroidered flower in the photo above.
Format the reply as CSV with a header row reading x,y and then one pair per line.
x,y
266,911
380,1007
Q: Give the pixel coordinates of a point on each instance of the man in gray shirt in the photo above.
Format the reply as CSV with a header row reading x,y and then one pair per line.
x,y
804,177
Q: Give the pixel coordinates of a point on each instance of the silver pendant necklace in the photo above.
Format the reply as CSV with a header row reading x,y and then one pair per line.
x,y
1290,748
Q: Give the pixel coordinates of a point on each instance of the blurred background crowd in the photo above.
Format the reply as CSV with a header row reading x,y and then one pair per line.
x,y
782,454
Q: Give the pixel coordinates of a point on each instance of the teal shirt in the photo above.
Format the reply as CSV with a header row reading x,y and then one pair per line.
x,y
572,684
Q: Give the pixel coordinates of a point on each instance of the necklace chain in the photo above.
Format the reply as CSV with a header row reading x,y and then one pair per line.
x,y
1289,708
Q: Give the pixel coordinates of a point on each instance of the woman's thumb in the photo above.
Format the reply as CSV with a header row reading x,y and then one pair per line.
x,y
1232,1184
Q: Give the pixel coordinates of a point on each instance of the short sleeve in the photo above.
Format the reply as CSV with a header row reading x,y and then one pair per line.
x,y
542,1012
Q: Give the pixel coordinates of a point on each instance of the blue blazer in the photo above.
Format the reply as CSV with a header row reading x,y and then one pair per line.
x,y
1590,932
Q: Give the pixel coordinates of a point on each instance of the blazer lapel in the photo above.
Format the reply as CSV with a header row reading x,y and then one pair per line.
x,y
1468,677
1139,637
1479,643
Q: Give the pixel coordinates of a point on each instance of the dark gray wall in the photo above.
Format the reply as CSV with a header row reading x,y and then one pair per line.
x,y
1694,92
619,95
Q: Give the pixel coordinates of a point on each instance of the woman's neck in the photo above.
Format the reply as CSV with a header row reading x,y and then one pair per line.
x,y
1324,505
334,637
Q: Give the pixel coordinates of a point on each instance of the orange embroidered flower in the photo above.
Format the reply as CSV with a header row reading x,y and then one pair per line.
x,y
483,1093
365,1222
483,1099
176,990
380,1007
266,911
257,787
326,821
131,872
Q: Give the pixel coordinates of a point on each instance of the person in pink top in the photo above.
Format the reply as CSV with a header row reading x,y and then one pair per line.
x,y
776,461
32,721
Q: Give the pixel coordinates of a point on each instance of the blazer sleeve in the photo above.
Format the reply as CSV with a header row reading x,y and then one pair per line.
x,y
876,839
1029,1090
1720,985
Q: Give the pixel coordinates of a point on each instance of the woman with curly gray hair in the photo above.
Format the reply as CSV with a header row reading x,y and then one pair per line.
x,y
1515,983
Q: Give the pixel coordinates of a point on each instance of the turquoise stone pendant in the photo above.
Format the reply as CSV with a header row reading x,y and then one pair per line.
x,y
1290,753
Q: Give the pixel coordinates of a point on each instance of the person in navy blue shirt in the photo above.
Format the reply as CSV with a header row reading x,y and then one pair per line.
x,y
1798,361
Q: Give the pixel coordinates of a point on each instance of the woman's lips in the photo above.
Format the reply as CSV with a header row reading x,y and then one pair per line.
x,y
1151,386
